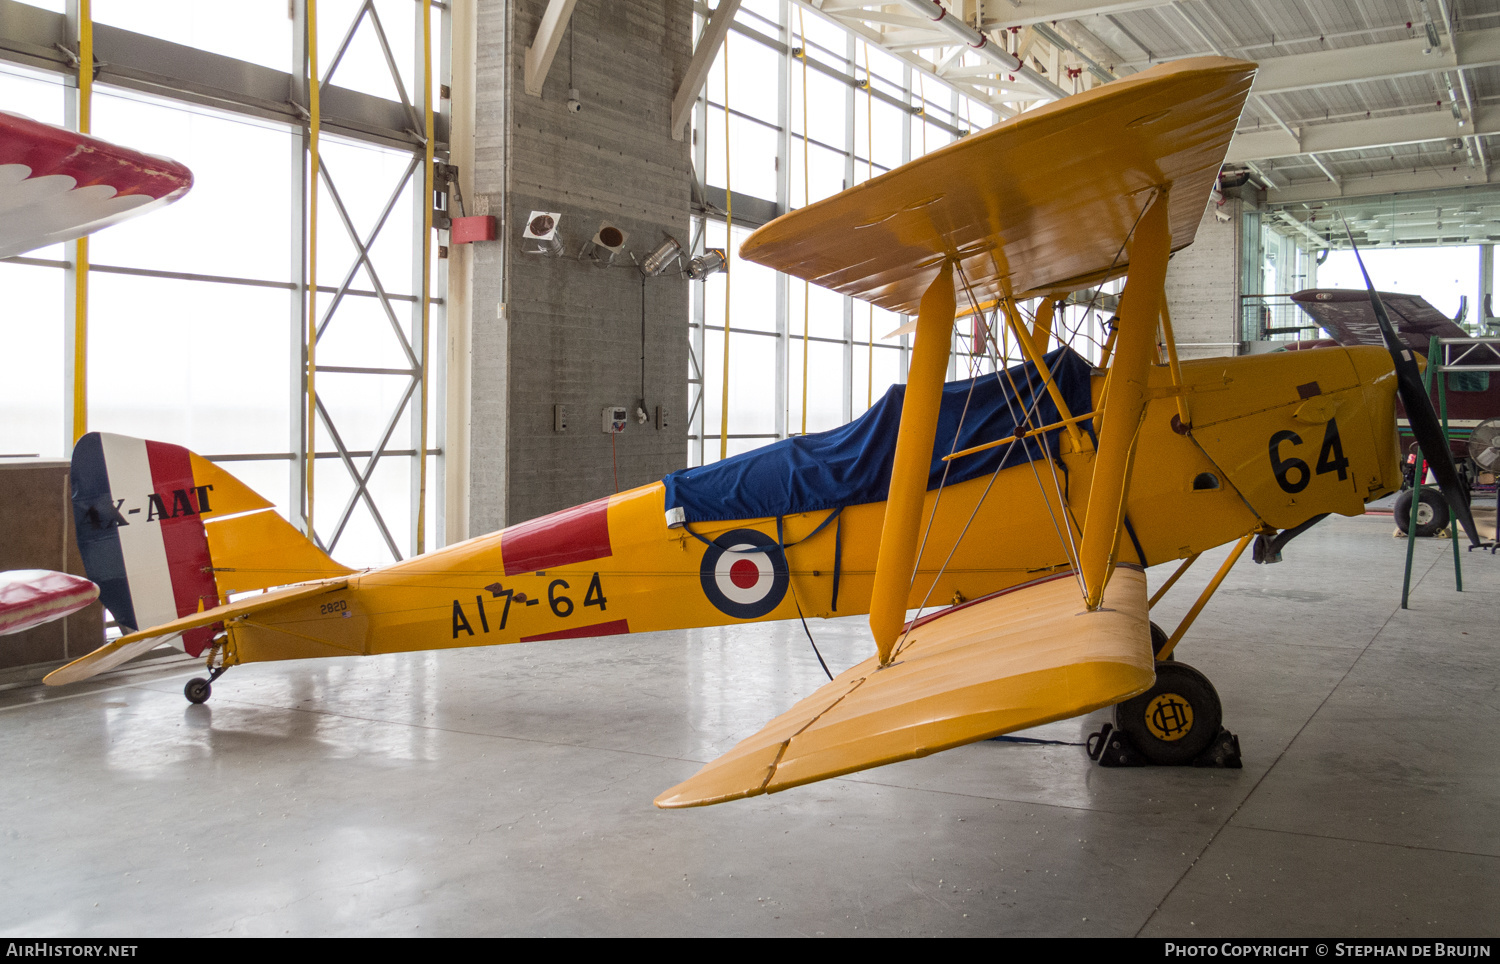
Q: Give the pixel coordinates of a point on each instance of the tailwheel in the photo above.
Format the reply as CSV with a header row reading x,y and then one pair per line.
x,y
1173,722
198,690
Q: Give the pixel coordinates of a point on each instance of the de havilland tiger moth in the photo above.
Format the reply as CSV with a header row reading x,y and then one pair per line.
x,y
1026,503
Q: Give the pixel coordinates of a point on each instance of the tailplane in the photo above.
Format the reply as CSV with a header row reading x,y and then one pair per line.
x,y
165,534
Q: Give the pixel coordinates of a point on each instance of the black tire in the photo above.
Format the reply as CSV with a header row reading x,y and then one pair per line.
x,y
1176,719
1432,512
1159,639
197,690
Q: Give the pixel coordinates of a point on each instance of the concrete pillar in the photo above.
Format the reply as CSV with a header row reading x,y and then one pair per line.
x,y
1203,286
556,330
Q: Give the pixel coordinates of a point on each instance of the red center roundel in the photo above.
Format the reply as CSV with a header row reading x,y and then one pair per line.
x,y
744,573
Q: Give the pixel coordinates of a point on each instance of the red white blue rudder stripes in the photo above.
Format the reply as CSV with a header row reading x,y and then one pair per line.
x,y
137,513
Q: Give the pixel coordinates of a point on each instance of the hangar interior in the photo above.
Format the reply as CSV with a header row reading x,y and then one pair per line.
x,y
399,301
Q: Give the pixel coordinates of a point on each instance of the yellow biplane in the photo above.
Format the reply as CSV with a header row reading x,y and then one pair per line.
x,y
1026,503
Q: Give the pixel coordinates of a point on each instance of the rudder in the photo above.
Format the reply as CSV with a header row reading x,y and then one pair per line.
x,y
165,533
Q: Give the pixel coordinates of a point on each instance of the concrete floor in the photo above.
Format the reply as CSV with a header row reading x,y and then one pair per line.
x,y
508,790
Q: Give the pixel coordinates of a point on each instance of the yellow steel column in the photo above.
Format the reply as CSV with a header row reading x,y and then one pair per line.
x,y
899,536
806,200
1124,400
80,360
869,173
728,259
315,118
428,131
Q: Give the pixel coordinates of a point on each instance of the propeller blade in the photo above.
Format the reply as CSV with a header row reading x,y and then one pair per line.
x,y
1419,412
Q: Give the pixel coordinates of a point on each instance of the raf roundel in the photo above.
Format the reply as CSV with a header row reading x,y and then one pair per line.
x,y
744,574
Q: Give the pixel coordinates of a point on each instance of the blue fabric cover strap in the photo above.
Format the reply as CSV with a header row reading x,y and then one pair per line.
x,y
851,465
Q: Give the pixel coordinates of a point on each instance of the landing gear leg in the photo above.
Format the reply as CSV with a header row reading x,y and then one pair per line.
x,y
1179,721
198,689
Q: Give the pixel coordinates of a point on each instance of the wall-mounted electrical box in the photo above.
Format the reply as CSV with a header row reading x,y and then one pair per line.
x,y
559,418
615,417
662,417
477,227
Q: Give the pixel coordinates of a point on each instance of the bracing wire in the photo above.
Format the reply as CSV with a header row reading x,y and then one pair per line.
x,y
1064,542
1027,418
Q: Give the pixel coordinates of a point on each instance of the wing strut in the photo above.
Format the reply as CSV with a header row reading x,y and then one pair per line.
x,y
909,471
1031,353
1124,401
1183,416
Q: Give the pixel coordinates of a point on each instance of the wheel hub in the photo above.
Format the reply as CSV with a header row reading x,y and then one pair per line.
x,y
1169,717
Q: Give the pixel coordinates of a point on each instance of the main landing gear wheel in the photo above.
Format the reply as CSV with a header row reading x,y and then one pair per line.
x,y
1176,719
197,690
1432,512
1159,639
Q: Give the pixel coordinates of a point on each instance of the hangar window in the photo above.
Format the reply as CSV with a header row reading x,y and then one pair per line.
x,y
197,314
1462,381
864,113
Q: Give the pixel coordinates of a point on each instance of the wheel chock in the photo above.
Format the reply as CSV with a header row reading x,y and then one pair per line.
x,y
1223,752
1112,747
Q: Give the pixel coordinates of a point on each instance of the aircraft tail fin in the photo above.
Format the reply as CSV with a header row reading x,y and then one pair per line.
x,y
165,534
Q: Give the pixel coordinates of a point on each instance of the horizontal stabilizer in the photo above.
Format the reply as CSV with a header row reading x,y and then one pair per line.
x,y
258,550
165,532
1017,659
114,653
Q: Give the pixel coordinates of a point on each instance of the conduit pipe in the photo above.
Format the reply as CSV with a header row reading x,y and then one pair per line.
x,y
981,45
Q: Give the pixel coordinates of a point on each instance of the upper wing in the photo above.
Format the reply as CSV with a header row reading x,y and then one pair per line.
x,y
1347,315
1041,203
1016,659
57,184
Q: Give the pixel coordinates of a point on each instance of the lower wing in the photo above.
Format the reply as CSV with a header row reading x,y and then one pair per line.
x,y
1017,659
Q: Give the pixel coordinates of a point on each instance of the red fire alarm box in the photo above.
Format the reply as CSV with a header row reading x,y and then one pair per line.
x,y
480,227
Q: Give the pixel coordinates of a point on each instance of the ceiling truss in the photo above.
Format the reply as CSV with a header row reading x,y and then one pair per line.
x,y
1339,86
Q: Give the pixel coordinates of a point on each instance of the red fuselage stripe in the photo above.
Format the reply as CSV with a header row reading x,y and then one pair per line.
x,y
562,538
617,627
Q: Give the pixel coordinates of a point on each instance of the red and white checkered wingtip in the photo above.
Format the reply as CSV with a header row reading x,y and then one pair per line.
x,y
57,184
31,597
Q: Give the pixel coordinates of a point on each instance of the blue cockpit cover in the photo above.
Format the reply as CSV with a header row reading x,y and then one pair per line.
x,y
851,465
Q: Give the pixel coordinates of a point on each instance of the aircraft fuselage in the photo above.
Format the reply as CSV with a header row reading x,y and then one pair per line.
x,y
1275,440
